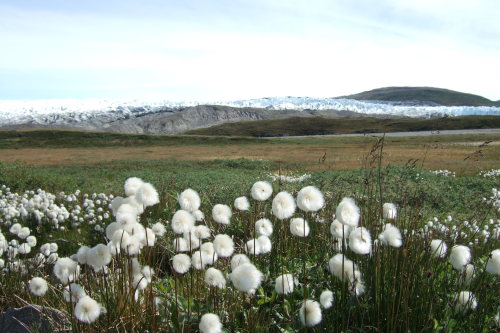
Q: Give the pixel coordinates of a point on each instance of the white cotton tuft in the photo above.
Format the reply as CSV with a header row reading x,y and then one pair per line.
x,y
261,191
111,228
389,211
159,229
198,215
201,232
115,204
31,240
253,247
391,236
284,284
348,212
181,245
264,244
215,278
189,200
326,299
283,206
147,195
81,255
210,323
310,199
24,232
246,278
181,263
238,259
38,286
241,203
66,270
199,260
15,228
99,256
299,227
73,293
438,248
468,274
342,268
87,310
264,227
465,301
310,313
209,251
493,264
182,221
360,241
224,245
459,256
132,184
339,230
24,248
222,214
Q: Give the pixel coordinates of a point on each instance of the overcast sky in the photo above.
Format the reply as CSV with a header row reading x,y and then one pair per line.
x,y
240,49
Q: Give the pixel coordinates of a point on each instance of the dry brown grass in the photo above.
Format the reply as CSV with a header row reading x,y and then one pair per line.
x,y
339,155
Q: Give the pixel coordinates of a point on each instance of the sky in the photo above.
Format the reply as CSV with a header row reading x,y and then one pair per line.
x,y
241,49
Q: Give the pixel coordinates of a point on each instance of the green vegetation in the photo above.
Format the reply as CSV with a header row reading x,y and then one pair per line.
x,y
427,94
405,288
298,126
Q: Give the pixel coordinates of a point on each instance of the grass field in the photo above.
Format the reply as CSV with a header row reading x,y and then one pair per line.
x,y
373,171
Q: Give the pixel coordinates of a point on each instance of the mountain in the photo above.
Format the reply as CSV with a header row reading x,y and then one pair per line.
x,y
429,95
164,117
302,126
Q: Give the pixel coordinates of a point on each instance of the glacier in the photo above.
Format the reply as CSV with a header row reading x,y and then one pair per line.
x,y
75,112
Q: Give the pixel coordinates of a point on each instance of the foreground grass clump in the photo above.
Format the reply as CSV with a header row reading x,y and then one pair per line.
x,y
275,257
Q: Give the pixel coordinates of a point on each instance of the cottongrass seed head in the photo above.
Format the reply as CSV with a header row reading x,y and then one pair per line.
x,y
246,278
283,205
326,299
238,259
299,227
38,286
73,292
147,195
215,278
87,310
438,248
223,245
264,227
465,301
222,214
284,284
66,270
310,313
310,199
493,265
339,230
360,241
210,323
241,203
189,200
182,221
460,256
261,191
132,184
181,263
391,236
348,212
389,211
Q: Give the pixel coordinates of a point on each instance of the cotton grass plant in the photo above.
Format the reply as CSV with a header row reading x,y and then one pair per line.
x,y
273,259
